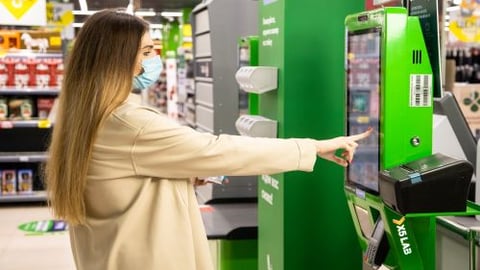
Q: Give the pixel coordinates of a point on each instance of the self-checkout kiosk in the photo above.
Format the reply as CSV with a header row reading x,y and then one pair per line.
x,y
395,186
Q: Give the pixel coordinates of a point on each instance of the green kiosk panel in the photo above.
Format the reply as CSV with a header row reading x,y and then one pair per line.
x,y
389,88
387,63
395,187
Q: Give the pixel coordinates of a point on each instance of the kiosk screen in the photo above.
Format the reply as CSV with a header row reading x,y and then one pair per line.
x,y
363,95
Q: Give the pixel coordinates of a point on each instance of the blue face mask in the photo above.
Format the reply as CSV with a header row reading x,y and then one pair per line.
x,y
152,67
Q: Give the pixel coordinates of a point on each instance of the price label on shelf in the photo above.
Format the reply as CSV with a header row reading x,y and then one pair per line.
x,y
44,123
23,158
6,124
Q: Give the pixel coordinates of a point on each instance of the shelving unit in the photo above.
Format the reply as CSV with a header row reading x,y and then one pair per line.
x,y
35,196
18,157
13,91
24,132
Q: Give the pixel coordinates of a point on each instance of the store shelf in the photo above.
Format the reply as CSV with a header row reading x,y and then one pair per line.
x,y
53,91
25,124
190,122
190,91
36,196
190,106
23,157
203,79
29,53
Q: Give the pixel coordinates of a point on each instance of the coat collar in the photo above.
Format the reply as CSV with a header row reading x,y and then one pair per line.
x,y
134,98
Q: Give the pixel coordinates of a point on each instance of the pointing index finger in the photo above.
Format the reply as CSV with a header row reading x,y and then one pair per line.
x,y
363,135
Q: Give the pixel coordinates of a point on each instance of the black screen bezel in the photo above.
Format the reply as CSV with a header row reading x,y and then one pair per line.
x,y
376,128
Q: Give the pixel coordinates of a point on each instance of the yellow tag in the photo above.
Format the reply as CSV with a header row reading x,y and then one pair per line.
x,y
67,18
363,119
55,41
187,30
59,18
45,123
18,7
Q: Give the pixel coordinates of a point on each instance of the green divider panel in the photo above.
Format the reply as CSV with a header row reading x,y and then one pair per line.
x,y
304,221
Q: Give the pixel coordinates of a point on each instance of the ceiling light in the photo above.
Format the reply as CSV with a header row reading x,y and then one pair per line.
x,y
156,26
83,5
453,8
145,13
130,8
83,12
171,14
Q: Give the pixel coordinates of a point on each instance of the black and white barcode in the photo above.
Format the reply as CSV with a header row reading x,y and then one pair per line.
x,y
420,90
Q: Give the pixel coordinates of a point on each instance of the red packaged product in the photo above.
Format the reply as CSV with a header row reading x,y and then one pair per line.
x,y
3,73
21,74
44,106
31,64
55,67
59,72
10,65
42,76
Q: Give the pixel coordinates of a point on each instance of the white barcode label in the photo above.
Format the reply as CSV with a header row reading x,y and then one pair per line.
x,y
421,88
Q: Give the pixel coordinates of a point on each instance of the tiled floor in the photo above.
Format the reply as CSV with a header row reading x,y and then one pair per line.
x,y
21,251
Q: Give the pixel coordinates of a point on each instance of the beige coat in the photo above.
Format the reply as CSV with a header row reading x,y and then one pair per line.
x,y
142,211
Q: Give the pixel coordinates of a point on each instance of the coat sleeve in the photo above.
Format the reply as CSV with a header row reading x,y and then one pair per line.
x,y
163,148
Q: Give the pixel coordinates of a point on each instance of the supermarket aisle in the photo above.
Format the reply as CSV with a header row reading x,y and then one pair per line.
x,y
21,251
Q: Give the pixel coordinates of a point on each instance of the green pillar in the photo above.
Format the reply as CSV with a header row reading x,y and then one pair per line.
x,y
304,221
238,254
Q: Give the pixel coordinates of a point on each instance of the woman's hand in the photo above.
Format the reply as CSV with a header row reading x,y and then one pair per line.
x,y
327,149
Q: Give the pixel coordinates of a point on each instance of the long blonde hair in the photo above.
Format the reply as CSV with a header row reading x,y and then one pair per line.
x,y
98,78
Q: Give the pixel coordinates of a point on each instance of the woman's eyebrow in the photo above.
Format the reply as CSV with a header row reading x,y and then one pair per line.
x,y
147,47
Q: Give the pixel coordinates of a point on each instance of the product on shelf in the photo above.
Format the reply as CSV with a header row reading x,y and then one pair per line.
x,y
44,106
20,108
42,75
10,66
35,70
9,182
3,109
31,64
9,40
22,76
55,70
25,181
3,73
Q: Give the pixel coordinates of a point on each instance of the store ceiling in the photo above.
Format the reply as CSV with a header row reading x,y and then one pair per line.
x,y
156,5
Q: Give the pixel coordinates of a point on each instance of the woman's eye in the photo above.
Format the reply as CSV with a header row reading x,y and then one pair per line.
x,y
147,53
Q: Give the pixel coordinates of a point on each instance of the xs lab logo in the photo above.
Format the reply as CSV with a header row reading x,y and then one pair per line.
x,y
403,235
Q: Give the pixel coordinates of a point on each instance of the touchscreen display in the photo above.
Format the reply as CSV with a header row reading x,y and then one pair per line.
x,y
363,97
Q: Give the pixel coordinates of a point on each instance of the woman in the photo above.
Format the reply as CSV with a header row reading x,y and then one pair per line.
x,y
118,172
